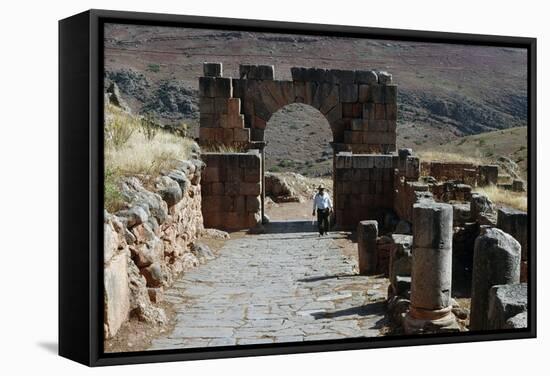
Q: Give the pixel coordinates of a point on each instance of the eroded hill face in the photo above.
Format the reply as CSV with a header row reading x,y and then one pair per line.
x,y
445,91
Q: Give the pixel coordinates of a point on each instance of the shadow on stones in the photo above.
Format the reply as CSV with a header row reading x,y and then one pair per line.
x,y
289,227
376,308
325,277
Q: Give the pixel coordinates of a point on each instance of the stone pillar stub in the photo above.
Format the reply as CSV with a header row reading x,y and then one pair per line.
x,y
497,257
212,69
431,269
367,233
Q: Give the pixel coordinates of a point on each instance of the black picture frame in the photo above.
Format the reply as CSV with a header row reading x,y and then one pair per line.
x,y
81,185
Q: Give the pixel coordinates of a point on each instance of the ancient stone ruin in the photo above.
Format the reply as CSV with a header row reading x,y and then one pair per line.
x,y
417,222
360,106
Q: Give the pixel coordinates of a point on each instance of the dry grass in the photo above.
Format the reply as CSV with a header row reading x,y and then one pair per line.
x,y
222,148
430,155
131,149
141,156
504,197
139,153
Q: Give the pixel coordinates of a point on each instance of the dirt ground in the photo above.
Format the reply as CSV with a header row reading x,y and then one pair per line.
x,y
135,335
289,210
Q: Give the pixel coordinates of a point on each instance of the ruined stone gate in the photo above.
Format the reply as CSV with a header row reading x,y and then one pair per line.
x,y
360,107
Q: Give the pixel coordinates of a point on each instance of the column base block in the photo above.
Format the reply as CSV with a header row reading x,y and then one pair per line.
x,y
446,324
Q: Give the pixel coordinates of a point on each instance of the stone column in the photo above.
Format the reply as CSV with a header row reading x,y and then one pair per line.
x,y
515,223
400,261
497,257
367,233
431,269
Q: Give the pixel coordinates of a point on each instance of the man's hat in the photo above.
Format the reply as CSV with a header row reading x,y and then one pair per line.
x,y
321,186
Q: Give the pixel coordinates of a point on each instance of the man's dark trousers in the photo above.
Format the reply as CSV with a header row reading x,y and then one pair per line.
x,y
322,220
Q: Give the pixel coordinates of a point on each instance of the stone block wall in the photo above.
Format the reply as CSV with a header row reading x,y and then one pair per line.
x,y
443,171
363,187
231,190
450,191
221,121
148,243
467,173
360,106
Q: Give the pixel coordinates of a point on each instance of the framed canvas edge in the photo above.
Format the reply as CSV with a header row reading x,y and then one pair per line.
x,y
95,167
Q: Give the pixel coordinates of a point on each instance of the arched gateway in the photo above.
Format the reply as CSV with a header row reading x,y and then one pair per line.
x,y
360,106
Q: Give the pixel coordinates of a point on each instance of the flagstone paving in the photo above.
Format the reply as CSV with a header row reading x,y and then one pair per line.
x,y
286,285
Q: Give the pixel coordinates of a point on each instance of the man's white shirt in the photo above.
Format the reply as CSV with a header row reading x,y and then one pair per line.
x,y
322,202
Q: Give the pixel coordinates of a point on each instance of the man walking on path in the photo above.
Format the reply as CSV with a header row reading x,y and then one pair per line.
x,y
323,204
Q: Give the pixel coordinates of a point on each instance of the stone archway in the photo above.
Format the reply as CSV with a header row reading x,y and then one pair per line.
x,y
360,107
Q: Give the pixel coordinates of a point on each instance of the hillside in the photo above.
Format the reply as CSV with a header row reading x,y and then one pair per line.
x,y
487,147
445,91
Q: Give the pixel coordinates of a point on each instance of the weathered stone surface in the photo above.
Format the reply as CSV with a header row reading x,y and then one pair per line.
x,y
348,93
507,306
497,257
298,73
140,303
223,87
116,293
137,196
488,175
366,77
169,190
390,98
367,233
482,209
212,70
133,216
153,275
253,203
384,78
339,76
111,240
431,269
202,251
256,72
518,185
400,259
461,214
207,87
519,321
515,223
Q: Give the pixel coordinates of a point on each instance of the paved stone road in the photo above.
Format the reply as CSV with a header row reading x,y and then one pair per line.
x,y
285,285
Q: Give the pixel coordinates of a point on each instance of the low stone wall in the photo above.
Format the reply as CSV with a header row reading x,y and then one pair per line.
x,y
451,191
467,173
231,190
148,244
